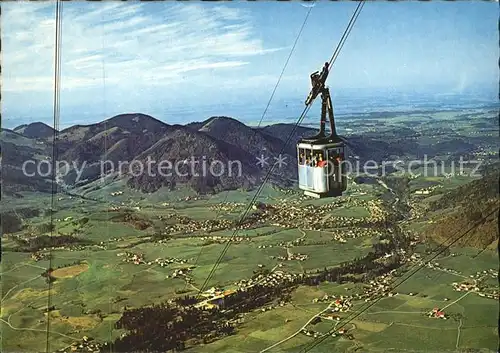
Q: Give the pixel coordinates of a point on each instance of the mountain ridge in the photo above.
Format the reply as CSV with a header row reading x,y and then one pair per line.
x,y
132,137
35,130
467,205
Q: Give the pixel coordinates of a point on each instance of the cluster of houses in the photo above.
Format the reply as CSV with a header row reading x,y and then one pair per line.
x,y
415,257
340,235
465,286
489,293
482,151
168,261
330,316
125,206
377,211
271,279
85,345
379,286
342,332
293,215
213,296
315,334
220,240
187,226
72,247
475,286
438,314
294,257
340,239
171,215
188,198
437,266
115,239
493,295
295,242
485,273
261,206
215,292
138,259
311,333
289,192
38,256
65,219
341,304
265,246
325,298
117,193
182,273
417,211
285,214
427,190
227,206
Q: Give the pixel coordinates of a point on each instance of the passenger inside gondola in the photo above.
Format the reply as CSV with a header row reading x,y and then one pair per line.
x,y
335,157
321,162
302,156
308,159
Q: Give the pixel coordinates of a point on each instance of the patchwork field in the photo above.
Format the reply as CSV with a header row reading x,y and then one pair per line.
x,y
93,283
398,323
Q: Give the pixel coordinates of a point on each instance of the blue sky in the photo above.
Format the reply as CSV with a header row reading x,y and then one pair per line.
x,y
156,57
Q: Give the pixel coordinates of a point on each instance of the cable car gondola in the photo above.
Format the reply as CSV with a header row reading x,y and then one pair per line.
x,y
320,158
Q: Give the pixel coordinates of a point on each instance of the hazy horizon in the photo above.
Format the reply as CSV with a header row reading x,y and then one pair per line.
x,y
285,111
191,61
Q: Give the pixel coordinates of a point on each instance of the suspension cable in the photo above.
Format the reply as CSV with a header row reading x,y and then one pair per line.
x,y
432,255
265,111
301,117
56,116
440,249
346,33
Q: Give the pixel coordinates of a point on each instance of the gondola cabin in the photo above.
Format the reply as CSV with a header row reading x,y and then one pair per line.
x,y
321,171
321,166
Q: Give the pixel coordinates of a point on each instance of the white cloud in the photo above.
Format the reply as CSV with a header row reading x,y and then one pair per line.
x,y
148,43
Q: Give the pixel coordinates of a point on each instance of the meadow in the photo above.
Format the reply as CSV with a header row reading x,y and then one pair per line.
x,y
93,284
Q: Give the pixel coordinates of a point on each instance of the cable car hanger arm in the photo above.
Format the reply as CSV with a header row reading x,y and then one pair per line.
x,y
318,80
318,83
318,87
327,108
